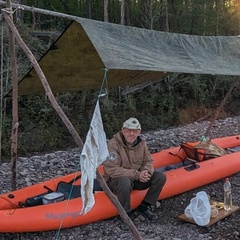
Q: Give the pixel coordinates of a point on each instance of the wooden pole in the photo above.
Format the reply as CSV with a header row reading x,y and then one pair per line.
x,y
221,106
15,124
43,80
41,11
68,124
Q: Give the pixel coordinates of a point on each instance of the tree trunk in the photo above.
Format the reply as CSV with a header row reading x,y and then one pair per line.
x,y
44,82
166,17
127,12
238,7
205,18
218,13
18,14
105,10
122,12
89,9
221,105
15,124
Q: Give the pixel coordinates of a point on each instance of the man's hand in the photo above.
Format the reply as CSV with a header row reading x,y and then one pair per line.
x,y
144,176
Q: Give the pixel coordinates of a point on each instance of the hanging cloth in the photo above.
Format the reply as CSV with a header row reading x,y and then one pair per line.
x,y
94,152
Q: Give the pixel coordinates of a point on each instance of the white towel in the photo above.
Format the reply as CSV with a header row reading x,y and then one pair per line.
x,y
94,152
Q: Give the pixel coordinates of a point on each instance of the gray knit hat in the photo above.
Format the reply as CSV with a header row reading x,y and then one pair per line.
x,y
132,123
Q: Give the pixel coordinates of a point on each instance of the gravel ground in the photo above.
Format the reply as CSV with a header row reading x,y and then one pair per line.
x,y
168,226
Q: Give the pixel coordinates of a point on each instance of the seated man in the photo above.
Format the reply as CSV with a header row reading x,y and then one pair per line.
x,y
130,166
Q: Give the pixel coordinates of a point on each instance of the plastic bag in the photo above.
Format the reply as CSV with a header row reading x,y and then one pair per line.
x,y
199,209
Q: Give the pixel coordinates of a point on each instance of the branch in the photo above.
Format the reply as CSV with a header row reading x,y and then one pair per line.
x,y
221,106
119,207
137,87
43,79
14,134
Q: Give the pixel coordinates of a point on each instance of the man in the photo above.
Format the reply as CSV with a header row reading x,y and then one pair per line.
x,y
130,166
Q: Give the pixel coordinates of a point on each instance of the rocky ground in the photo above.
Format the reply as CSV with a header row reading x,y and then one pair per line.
x,y
168,227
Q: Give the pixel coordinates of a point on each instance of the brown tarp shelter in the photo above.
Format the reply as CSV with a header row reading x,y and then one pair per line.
x,y
132,55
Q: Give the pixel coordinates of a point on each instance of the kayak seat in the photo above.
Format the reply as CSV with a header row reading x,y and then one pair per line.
x,y
184,163
71,191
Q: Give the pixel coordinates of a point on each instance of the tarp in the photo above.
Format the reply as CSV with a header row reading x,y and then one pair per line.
x,y
132,55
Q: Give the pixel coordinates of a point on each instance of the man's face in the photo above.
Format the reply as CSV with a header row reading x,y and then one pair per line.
x,y
130,134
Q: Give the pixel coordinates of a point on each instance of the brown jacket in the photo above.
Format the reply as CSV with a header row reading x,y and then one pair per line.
x,y
127,161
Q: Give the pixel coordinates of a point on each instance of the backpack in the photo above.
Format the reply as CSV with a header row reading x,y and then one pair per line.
x,y
204,150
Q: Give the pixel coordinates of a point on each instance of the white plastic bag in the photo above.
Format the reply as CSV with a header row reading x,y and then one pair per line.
x,y
199,209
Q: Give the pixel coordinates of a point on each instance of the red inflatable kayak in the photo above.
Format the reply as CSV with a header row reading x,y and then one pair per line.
x,y
18,213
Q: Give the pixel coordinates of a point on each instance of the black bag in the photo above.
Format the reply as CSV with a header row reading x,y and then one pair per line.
x,y
35,201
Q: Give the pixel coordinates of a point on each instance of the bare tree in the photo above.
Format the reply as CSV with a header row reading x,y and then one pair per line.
x,y
149,13
166,19
15,124
218,15
105,9
122,12
18,14
238,4
128,12
89,9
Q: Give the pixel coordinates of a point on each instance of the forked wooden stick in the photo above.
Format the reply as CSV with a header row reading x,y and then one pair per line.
x,y
67,122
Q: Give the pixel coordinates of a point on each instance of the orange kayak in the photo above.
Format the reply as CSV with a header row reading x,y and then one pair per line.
x,y
16,216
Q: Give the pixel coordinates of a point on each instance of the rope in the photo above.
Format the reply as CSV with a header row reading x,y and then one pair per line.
x,y
13,205
104,80
67,204
101,94
10,11
7,10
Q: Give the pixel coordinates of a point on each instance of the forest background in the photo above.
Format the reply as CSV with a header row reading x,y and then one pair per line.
x,y
174,100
